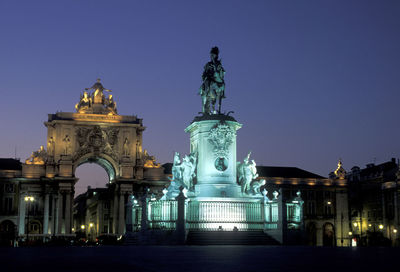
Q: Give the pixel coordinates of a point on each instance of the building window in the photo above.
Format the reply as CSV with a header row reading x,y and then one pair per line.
x,y
106,217
105,229
33,208
311,195
34,227
9,188
107,205
328,209
327,195
311,208
8,205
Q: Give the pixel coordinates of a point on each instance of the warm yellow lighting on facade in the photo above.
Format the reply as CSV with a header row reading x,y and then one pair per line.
x,y
73,229
83,227
151,164
90,225
350,233
369,225
355,224
394,230
329,203
380,226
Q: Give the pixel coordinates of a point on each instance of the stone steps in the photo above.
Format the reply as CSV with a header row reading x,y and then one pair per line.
x,y
229,238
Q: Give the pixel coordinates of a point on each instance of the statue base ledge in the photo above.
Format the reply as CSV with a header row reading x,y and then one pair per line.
x,y
228,199
217,116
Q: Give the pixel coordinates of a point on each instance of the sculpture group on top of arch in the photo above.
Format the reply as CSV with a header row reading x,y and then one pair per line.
x,y
96,102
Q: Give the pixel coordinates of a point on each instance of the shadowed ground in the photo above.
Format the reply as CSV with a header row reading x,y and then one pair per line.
x,y
198,258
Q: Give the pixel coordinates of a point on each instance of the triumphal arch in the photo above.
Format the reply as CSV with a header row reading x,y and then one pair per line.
x,y
95,133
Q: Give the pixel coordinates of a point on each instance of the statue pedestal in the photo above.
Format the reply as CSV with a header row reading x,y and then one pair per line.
x,y
213,138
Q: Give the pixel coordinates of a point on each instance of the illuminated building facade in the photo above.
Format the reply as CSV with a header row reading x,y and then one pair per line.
x,y
374,200
325,208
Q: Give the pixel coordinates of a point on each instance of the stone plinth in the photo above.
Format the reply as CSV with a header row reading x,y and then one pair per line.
x,y
213,138
33,170
154,173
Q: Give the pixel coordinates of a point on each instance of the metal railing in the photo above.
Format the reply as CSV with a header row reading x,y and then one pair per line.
x,y
163,214
210,215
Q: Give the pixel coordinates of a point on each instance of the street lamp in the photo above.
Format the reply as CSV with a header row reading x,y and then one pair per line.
x,y
29,200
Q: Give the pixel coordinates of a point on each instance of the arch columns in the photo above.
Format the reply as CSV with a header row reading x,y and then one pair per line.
x,y
46,214
21,224
121,191
64,214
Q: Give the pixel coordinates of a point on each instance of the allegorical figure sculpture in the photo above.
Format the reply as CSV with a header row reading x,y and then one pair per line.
x,y
149,161
112,105
50,146
67,145
126,147
256,186
176,172
183,172
213,88
246,172
188,168
37,157
85,102
98,96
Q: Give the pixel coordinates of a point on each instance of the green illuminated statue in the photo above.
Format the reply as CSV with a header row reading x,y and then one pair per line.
x,y
247,172
213,88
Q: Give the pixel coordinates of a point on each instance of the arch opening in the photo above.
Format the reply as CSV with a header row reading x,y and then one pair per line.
x,y
90,171
7,233
105,164
328,235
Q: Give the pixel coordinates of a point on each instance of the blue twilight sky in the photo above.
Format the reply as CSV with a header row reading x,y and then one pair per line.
x,y
311,81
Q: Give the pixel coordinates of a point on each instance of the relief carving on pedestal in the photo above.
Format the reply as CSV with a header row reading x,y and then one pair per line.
x,y
97,140
221,136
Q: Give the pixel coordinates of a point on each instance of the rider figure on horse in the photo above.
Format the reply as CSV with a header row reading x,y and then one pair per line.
x,y
213,87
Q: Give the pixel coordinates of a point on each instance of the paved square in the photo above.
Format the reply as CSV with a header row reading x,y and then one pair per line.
x,y
198,258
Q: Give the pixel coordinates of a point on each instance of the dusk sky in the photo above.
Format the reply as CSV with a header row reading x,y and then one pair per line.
x,y
311,81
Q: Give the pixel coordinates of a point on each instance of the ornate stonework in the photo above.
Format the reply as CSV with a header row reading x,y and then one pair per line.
x,y
221,137
97,140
